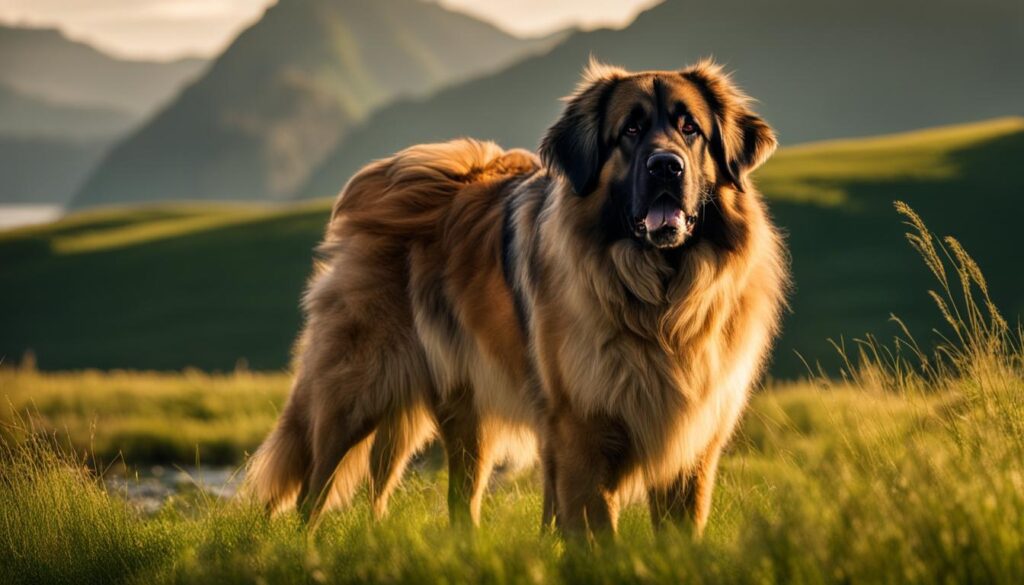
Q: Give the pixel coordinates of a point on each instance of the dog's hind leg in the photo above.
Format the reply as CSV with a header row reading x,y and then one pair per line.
x,y
352,398
470,460
362,360
375,402
380,382
400,436
340,455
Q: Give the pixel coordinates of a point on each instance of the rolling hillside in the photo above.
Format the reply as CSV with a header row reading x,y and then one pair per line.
x,y
173,286
820,69
283,94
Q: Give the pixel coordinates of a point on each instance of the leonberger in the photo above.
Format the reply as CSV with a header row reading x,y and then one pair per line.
x,y
605,306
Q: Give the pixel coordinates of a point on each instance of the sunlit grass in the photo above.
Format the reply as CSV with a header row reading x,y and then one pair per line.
x,y
94,241
58,525
146,417
838,485
816,173
119,227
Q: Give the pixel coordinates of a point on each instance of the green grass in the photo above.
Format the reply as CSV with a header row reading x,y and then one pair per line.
x,y
169,287
908,467
822,485
158,288
143,417
821,173
839,485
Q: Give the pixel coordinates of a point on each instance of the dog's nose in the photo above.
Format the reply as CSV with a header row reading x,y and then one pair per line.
x,y
665,165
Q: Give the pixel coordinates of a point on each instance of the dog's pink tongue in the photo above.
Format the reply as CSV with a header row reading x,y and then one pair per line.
x,y
663,213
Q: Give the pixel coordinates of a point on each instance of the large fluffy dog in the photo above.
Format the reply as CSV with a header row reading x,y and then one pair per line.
x,y
606,306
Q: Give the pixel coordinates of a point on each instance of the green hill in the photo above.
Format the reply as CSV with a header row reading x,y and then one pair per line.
x,y
173,286
850,260
820,69
283,94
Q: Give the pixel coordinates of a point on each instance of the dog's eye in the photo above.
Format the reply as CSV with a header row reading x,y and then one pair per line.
x,y
631,129
688,126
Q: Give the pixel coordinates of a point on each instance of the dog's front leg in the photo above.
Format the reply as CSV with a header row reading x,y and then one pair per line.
x,y
549,474
686,501
588,459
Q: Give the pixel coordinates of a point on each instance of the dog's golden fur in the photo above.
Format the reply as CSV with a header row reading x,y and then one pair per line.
x,y
496,298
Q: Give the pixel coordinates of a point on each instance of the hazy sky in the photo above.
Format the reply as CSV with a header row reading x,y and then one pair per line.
x,y
170,28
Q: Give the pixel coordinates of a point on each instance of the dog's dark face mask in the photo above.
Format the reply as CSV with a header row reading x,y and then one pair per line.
x,y
657,146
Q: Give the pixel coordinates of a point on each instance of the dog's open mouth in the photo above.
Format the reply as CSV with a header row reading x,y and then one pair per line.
x,y
666,214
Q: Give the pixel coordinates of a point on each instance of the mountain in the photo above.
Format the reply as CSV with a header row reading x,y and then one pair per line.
x,y
171,286
24,115
287,90
820,69
48,148
40,170
63,104
45,63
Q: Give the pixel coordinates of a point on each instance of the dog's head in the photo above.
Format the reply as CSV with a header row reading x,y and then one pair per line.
x,y
656,147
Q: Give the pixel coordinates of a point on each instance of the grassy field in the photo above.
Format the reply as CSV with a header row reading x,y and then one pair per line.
x,y
822,486
143,417
207,286
837,484
906,467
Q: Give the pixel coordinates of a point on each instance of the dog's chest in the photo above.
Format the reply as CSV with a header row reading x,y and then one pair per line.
x,y
675,405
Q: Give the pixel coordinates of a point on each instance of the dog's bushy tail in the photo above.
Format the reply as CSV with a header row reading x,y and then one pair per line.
x,y
276,471
406,195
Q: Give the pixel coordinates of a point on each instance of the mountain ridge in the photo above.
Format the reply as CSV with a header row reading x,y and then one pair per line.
x,y
62,105
287,89
818,69
45,62
23,115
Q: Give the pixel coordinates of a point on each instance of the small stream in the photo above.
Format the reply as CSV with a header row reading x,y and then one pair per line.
x,y
150,488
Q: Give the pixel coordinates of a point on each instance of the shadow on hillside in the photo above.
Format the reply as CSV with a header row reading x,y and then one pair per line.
x,y
853,266
206,299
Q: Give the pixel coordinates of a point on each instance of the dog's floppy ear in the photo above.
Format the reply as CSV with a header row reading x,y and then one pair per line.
x,y
740,140
573,145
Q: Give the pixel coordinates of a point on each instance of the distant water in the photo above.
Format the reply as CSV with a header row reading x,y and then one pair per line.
x,y
17,215
149,488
